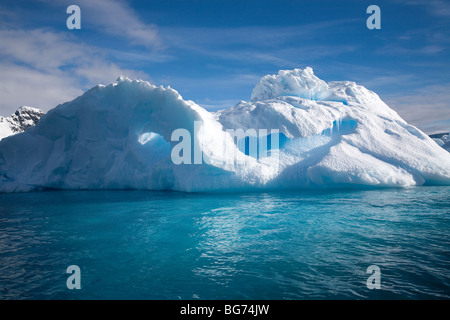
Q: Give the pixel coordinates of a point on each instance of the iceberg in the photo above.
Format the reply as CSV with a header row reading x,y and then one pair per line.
x,y
121,136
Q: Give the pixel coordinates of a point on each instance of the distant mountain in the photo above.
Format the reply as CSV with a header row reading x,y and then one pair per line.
x,y
19,121
442,139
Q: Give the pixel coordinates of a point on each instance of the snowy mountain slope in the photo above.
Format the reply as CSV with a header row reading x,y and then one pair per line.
x,y
120,137
19,121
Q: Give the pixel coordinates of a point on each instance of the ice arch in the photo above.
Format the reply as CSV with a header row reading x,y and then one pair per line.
x,y
117,136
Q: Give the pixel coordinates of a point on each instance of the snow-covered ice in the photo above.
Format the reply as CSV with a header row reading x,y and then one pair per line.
x,y
336,134
19,121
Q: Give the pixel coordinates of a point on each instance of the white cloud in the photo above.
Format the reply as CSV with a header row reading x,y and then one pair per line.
x,y
118,19
427,108
106,72
391,80
439,8
23,86
39,48
398,50
42,68
280,46
115,18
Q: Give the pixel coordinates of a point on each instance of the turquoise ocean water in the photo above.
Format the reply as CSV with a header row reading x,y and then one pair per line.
x,y
276,245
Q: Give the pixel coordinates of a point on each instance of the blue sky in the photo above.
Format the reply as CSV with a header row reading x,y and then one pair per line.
x,y
214,51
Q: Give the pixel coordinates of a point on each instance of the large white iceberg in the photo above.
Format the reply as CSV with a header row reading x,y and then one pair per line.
x,y
119,136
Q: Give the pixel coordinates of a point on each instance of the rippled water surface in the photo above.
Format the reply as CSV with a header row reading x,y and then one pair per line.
x,y
280,245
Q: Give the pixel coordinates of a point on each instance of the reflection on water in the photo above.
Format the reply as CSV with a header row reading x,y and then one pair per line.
x,y
281,245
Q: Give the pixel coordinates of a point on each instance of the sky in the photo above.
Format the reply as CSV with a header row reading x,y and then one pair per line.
x,y
215,51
